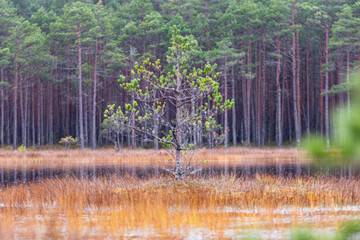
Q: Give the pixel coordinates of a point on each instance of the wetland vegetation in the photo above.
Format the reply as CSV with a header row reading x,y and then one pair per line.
x,y
217,204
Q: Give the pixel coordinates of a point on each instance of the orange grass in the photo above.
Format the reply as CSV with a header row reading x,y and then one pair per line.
x,y
160,208
62,158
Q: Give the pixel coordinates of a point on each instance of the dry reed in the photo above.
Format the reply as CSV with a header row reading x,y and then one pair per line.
x,y
162,208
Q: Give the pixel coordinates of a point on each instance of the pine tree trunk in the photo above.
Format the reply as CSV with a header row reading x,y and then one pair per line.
x,y
252,116
244,100
24,111
28,119
86,120
42,118
248,92
2,109
93,130
8,137
46,116
234,107
67,118
284,91
156,129
81,121
194,130
39,113
200,129
179,169
327,127
263,95
167,116
257,99
77,122
332,99
156,132
287,97
226,127
133,143
278,95
15,98
298,80
244,94
100,121
321,90
308,49
50,114
295,92
341,78
61,113
33,116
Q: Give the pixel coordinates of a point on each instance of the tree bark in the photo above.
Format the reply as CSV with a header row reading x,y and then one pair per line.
x,y
298,80
33,116
321,90
93,130
22,111
257,97
348,97
86,119
156,128
133,143
15,97
341,78
156,132
327,127
295,92
2,109
50,115
67,118
234,108
179,169
226,127
81,120
39,112
263,95
278,95
308,52
194,129
248,91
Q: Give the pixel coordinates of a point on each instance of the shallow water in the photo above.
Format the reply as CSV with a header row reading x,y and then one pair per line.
x,y
16,175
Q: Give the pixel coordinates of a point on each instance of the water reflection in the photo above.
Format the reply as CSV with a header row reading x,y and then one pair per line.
x,y
15,175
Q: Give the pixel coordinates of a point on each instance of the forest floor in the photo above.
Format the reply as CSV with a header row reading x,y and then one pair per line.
x,y
158,207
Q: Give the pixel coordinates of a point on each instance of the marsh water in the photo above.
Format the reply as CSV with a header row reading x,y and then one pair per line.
x,y
24,174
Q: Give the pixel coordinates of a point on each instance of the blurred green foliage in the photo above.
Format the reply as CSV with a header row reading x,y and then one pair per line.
x,y
345,143
346,231
349,230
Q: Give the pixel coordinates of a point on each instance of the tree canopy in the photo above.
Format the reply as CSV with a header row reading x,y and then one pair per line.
x,y
279,60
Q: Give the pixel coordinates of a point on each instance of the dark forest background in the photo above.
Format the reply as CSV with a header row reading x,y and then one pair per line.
x,y
278,58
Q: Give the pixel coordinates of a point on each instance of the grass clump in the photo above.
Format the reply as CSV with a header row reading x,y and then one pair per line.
x,y
163,208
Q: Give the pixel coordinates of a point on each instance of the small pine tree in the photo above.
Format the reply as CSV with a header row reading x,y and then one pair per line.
x,y
152,88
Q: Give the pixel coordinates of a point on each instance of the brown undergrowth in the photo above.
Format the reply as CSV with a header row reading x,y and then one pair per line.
x,y
161,208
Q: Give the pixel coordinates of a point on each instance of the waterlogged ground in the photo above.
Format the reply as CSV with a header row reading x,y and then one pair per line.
x,y
35,166
105,195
